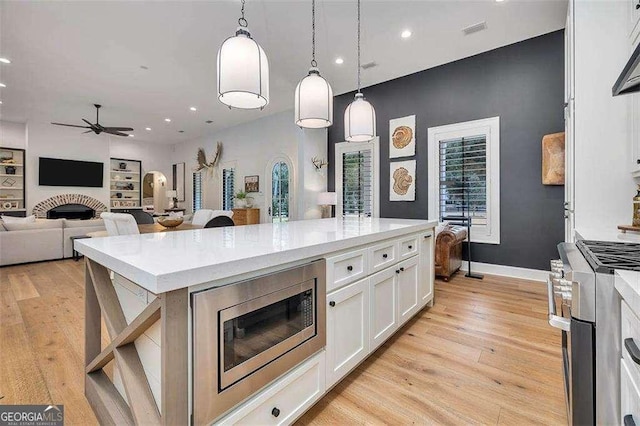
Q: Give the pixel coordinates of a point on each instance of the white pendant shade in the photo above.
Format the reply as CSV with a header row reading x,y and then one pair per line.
x,y
243,72
314,102
359,120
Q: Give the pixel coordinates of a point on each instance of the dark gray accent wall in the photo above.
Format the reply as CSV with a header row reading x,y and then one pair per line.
x,y
523,84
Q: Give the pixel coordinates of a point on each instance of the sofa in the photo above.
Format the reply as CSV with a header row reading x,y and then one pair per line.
x,y
44,239
448,258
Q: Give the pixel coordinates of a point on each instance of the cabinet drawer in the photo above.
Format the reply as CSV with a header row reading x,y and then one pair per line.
x,y
285,401
346,268
408,246
629,395
383,255
630,330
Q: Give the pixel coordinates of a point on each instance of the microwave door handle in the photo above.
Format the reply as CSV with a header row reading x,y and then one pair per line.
x,y
555,320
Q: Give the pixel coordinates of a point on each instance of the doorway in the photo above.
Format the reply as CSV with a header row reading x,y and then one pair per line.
x,y
280,199
154,188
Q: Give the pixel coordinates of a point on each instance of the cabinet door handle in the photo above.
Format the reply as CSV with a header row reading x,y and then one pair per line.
x,y
384,256
397,271
402,269
628,419
427,236
637,6
410,247
633,350
349,268
638,160
275,412
332,303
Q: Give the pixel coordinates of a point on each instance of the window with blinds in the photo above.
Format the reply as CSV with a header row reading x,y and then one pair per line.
x,y
463,178
357,183
228,188
197,191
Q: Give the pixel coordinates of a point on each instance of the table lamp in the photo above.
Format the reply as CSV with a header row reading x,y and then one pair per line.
x,y
327,200
172,194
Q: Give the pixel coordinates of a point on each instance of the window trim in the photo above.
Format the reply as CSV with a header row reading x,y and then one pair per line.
x,y
345,147
490,127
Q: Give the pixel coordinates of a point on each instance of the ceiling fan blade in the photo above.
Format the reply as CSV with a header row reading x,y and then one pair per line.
x,y
113,132
72,125
118,129
88,131
89,123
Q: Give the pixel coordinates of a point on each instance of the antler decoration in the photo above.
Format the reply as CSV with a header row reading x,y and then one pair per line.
x,y
202,158
319,163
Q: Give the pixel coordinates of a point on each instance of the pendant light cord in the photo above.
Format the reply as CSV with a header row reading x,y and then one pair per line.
x,y
313,34
242,22
358,46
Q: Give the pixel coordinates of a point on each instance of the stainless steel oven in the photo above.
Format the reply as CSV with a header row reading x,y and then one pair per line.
x,y
247,334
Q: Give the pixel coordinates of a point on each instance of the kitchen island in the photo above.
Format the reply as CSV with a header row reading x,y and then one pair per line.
x,y
345,286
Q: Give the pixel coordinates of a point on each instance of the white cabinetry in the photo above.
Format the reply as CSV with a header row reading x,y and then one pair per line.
x,y
408,305
347,329
426,269
384,306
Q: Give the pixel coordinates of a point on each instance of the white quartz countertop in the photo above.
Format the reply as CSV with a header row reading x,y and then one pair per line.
x,y
606,234
168,261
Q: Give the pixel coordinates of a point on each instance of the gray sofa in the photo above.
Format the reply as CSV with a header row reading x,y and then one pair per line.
x,y
44,239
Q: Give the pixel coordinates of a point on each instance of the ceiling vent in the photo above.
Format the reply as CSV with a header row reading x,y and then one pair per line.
x,y
369,65
475,28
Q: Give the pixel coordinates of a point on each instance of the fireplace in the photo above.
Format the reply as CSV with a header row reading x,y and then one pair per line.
x,y
71,211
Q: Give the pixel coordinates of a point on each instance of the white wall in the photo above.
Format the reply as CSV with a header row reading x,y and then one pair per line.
x,y
46,140
13,135
603,185
251,147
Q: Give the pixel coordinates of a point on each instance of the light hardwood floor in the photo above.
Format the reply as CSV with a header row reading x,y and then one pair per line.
x,y
483,354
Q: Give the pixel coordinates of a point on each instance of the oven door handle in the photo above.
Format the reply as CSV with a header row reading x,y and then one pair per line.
x,y
555,320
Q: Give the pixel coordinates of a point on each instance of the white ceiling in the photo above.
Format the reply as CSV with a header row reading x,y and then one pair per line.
x,y
67,56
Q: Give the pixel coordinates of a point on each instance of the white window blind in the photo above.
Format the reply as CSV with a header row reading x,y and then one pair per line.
x,y
228,188
463,178
197,191
357,183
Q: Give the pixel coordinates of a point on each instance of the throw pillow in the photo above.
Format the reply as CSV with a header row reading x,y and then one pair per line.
x,y
12,219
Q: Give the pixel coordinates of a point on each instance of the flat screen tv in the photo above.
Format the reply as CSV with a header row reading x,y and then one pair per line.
x,y
57,172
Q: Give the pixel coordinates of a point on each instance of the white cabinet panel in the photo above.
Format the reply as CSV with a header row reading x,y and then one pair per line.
x,y
347,329
287,399
407,289
346,268
426,275
408,247
384,308
383,255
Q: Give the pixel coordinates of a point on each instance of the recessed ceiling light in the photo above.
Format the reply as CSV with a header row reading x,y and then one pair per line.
x,y
3,85
168,120
148,129
499,1
131,136
339,61
406,34
5,61
0,102
193,109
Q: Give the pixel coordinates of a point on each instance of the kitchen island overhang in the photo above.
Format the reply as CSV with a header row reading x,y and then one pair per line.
x,y
170,266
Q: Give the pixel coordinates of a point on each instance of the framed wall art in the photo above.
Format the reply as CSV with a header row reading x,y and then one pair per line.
x,y
402,137
402,185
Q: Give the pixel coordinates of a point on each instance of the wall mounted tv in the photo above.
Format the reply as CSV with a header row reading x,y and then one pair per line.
x,y
57,172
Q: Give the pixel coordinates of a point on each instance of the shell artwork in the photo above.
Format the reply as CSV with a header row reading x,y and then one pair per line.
x,y
402,181
402,136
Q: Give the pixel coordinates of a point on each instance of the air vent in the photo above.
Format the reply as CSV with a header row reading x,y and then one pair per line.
x,y
368,65
475,28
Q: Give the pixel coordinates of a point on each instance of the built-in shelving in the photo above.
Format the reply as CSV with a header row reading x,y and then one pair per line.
x,y
12,181
124,184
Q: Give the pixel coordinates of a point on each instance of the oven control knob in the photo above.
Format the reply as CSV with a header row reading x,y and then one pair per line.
x,y
275,412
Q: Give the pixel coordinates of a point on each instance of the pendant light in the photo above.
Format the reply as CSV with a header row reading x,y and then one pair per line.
x,y
359,117
243,70
313,97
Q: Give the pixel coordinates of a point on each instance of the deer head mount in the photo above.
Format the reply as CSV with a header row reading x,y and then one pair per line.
x,y
319,163
202,158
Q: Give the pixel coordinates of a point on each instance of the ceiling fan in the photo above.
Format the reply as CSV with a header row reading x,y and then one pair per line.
x,y
97,128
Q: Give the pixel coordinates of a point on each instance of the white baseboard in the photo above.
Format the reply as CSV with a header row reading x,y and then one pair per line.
x,y
507,271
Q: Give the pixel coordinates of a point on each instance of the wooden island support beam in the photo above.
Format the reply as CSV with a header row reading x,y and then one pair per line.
x,y
101,302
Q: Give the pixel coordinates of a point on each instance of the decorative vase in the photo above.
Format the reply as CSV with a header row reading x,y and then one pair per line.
x,y
241,203
636,208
